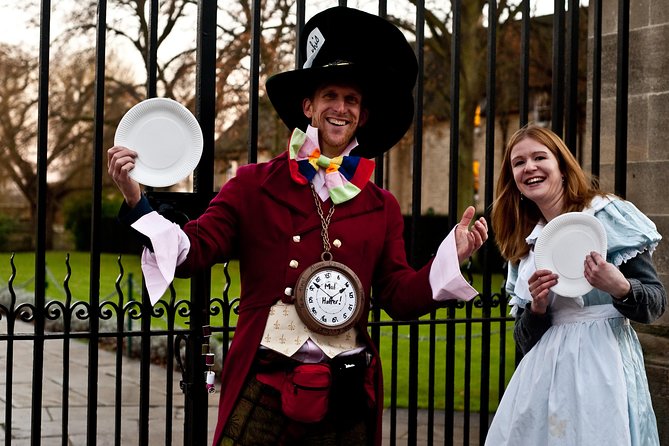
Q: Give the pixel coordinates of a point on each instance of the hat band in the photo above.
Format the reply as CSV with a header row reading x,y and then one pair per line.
x,y
338,63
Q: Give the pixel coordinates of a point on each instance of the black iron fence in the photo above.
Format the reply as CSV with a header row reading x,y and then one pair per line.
x,y
451,366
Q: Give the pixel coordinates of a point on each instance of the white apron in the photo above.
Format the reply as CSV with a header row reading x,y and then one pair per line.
x,y
572,387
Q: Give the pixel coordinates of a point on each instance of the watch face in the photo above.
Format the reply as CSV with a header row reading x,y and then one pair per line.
x,y
329,298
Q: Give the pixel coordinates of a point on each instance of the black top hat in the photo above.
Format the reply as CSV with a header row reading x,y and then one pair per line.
x,y
343,44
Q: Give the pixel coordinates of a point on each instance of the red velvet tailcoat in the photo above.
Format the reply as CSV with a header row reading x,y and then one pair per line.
x,y
255,217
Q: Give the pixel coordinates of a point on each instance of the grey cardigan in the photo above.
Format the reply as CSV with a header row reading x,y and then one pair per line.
x,y
645,302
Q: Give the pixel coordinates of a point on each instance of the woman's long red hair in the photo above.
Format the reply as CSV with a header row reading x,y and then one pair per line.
x,y
514,218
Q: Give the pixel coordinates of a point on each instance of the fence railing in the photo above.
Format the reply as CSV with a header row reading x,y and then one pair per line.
x,y
450,366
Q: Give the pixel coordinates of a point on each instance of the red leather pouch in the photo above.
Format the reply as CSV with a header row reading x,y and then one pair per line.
x,y
306,392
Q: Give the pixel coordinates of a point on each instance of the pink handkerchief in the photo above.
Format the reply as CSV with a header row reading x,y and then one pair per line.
x,y
445,277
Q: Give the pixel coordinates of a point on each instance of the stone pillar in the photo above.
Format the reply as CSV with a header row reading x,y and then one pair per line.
x,y
648,154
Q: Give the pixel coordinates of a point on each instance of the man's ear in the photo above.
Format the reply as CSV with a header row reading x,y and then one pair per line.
x,y
364,114
306,108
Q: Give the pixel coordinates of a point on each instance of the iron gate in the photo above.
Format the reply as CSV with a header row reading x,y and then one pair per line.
x,y
121,321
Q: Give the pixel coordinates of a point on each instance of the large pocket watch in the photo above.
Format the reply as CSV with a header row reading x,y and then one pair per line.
x,y
329,297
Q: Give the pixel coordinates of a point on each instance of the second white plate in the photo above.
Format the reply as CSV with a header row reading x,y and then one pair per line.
x,y
167,138
562,247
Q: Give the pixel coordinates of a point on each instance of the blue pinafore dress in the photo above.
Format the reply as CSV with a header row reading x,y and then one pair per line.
x,y
584,382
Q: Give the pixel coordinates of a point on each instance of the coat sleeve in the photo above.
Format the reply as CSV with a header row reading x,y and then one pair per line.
x,y
213,236
399,289
529,327
647,299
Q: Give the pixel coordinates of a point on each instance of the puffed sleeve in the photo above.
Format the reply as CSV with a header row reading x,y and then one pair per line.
x,y
631,238
629,232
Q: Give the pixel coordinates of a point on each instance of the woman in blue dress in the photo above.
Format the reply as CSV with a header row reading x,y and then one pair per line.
x,y
582,379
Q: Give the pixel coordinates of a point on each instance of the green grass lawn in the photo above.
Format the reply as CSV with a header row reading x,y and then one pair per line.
x,y
474,341
110,272
78,285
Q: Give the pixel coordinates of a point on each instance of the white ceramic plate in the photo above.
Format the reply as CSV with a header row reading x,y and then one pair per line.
x,y
562,247
167,139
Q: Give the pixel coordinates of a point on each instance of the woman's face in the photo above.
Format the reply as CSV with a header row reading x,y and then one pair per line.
x,y
537,175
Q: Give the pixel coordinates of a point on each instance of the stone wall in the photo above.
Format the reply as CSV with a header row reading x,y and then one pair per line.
x,y
647,155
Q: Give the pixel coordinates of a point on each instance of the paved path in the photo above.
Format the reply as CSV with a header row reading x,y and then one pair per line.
x,y
77,397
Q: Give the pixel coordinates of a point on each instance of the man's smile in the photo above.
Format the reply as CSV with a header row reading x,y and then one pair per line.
x,y
337,122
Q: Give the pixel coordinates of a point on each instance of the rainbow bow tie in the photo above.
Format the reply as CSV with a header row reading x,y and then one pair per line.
x,y
345,176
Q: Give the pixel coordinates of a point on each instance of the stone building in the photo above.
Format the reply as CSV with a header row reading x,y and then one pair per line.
x,y
647,154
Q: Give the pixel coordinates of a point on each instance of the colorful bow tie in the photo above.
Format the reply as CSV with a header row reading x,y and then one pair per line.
x,y
345,176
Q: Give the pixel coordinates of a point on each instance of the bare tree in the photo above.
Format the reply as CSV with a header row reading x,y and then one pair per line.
x,y
176,40
70,126
71,89
472,77
473,74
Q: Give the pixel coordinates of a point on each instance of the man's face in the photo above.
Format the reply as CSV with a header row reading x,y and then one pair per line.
x,y
337,112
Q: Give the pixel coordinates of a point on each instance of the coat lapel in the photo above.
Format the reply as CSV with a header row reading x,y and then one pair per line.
x,y
281,188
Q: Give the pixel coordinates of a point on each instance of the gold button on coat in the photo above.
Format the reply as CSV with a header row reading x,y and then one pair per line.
x,y
294,264
337,243
296,238
288,291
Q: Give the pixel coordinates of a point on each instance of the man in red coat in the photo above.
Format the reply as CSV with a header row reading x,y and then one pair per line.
x,y
315,239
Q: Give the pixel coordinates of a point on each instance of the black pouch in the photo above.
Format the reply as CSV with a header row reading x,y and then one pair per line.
x,y
349,398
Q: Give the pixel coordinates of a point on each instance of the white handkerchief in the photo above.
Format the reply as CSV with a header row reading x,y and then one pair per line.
x,y
170,247
445,277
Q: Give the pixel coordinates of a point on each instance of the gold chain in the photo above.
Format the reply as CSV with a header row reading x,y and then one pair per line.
x,y
325,220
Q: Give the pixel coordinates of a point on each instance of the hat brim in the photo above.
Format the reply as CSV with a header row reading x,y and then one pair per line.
x,y
390,108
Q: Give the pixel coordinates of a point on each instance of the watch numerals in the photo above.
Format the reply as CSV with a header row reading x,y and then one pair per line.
x,y
330,299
